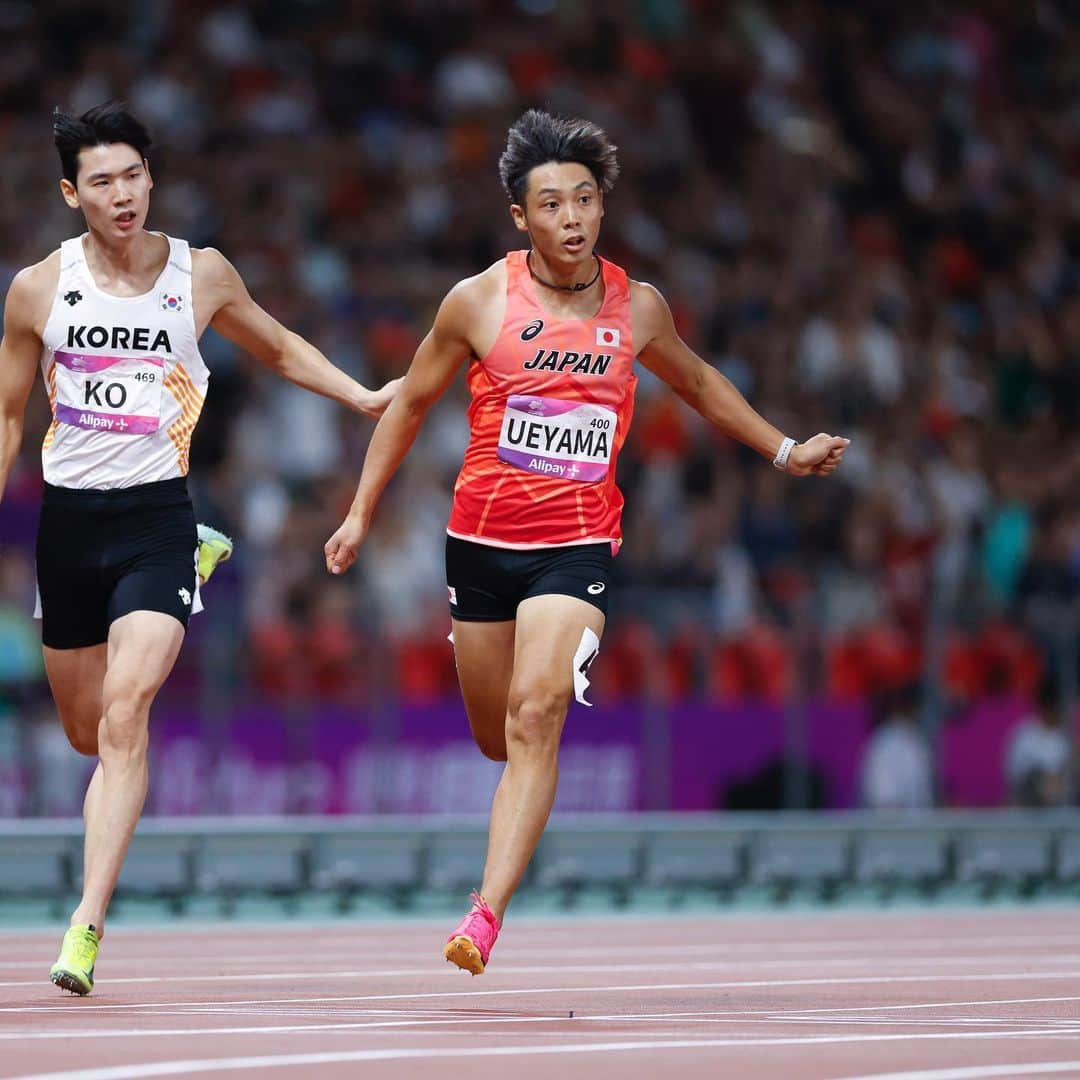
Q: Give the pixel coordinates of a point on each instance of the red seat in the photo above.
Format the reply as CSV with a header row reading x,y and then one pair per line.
x,y
337,666
424,664
631,663
1008,662
1000,661
757,664
279,666
683,655
878,658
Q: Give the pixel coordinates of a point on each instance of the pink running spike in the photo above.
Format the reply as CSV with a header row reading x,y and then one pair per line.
x,y
469,946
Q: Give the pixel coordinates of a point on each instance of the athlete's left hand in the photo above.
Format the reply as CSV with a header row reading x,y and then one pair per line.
x,y
818,456
379,399
341,548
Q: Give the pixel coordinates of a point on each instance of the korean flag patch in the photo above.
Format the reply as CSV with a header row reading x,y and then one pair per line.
x,y
607,337
172,302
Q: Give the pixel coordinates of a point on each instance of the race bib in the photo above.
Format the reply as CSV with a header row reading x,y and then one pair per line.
x,y
120,394
566,439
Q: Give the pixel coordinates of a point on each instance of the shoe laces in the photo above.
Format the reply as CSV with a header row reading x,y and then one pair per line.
x,y
480,907
83,943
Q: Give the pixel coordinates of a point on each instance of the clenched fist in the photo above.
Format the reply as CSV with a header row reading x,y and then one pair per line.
x,y
818,456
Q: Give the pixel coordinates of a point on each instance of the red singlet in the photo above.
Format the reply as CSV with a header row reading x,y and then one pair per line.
x,y
551,407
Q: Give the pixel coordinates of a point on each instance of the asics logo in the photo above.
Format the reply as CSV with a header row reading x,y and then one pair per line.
x,y
596,588
532,329
185,596
453,593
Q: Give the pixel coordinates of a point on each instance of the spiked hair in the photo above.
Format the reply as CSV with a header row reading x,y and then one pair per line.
x,y
99,126
537,137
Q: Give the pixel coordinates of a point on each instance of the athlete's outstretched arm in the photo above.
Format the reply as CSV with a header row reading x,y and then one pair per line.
x,y
20,351
237,317
436,362
704,389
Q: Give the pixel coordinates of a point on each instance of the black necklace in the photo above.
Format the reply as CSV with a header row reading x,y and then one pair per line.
x,y
581,286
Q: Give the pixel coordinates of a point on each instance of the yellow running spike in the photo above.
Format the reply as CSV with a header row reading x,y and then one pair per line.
x,y
214,548
74,970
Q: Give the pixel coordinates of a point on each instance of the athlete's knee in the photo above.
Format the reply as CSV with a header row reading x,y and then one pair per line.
x,y
124,729
536,717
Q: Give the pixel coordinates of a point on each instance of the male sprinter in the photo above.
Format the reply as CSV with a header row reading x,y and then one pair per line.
x,y
550,336
114,318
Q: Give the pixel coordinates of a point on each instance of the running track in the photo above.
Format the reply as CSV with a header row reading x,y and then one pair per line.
x,y
943,996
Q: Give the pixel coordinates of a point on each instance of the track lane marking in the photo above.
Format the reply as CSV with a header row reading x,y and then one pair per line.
x,y
1063,1029
193,1066
557,969
978,1072
864,980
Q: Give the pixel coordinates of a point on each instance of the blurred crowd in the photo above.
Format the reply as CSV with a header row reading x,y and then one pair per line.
x,y
866,216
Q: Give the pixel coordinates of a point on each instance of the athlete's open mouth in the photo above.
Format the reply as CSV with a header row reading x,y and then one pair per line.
x,y
126,218
575,243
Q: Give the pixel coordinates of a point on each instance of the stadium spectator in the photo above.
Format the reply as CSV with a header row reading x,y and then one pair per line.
x,y
1038,764
869,218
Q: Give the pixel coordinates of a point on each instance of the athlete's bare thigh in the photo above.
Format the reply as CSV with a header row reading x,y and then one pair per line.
x,y
484,653
556,641
76,677
536,655
143,647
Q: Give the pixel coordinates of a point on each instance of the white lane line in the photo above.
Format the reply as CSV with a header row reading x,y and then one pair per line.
x,y
295,1016
1053,1024
126,938
270,1061
863,980
467,1014
979,1072
397,973
575,969
283,1029
934,1005
1063,1029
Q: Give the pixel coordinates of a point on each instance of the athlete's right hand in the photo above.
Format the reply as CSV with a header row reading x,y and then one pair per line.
x,y
341,548
379,399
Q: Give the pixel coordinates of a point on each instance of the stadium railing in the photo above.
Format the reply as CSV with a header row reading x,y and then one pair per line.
x,y
397,858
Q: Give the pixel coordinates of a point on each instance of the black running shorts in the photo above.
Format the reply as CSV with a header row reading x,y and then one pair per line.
x,y
104,554
487,583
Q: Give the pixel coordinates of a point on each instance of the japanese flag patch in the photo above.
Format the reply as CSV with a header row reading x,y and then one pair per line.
x,y
607,337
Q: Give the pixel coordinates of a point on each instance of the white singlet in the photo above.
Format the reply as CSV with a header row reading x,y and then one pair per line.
x,y
124,375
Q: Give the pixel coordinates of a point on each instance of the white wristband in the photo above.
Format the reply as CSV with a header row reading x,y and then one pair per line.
x,y
782,455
